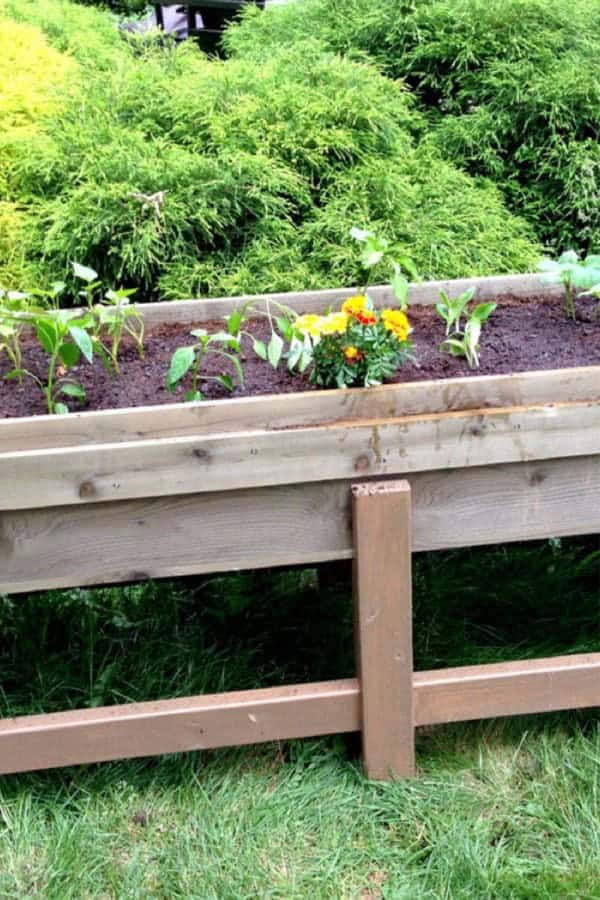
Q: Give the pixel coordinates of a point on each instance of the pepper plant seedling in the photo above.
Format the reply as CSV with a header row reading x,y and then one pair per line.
x,y
112,317
65,339
189,360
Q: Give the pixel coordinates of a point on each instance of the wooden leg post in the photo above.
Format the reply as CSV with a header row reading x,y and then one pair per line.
x,y
383,617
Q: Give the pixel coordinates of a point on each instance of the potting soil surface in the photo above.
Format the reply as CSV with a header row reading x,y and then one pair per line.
x,y
521,335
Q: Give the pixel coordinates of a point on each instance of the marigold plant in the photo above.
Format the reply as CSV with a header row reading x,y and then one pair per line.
x,y
357,345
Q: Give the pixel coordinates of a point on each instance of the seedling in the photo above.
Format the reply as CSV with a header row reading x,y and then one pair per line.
x,y
451,311
464,341
190,359
377,250
65,339
573,273
10,328
112,316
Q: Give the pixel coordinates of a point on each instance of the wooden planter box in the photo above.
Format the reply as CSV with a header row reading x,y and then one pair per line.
x,y
118,496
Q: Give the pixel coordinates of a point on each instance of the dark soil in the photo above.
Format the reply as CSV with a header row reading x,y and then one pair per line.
x,y
522,335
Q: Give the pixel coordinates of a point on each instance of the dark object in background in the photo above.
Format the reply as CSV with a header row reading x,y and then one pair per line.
x,y
204,20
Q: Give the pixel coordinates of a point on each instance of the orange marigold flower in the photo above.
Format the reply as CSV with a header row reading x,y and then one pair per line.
x,y
352,353
353,305
366,317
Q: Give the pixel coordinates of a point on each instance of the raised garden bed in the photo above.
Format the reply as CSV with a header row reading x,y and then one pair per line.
x,y
115,496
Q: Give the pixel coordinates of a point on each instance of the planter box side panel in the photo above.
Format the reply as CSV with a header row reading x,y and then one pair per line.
x,y
288,525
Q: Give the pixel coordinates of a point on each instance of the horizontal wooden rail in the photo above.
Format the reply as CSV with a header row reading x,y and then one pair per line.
x,y
291,525
247,717
170,726
225,462
507,689
278,412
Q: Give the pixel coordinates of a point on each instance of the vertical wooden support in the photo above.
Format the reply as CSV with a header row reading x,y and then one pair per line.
x,y
383,625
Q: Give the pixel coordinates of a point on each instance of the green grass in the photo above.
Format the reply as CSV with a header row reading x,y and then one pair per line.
x,y
505,809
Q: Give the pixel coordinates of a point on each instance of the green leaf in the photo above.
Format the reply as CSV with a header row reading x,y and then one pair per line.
x,y
548,265
69,354
83,341
60,409
285,327
15,373
226,381
569,256
400,288
259,348
85,273
234,322
295,352
483,311
181,363
193,396
274,350
370,257
72,389
443,311
47,334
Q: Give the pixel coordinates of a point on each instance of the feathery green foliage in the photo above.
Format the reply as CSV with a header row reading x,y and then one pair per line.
x,y
179,175
512,89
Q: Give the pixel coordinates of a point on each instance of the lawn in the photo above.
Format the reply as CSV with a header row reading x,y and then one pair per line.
x,y
505,809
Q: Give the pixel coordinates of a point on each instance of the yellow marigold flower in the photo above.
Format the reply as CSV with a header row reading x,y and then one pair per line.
x,y
354,305
397,322
310,324
352,353
335,323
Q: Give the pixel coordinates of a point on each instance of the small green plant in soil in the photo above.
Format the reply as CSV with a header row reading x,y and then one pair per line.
x,y
463,340
377,251
112,317
65,339
188,361
572,272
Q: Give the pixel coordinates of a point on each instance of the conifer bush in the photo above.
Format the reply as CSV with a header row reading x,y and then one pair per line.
x,y
178,175
511,89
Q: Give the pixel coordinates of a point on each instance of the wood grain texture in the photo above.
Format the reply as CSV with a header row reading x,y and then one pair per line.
x,y
383,625
222,462
426,293
302,409
244,717
169,726
507,689
295,524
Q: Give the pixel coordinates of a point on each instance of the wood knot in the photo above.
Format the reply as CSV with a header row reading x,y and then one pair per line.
x,y
87,489
362,463
201,453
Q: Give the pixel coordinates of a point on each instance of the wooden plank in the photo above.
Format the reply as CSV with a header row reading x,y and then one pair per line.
x,y
170,726
302,409
383,626
507,689
487,288
244,717
221,462
294,524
